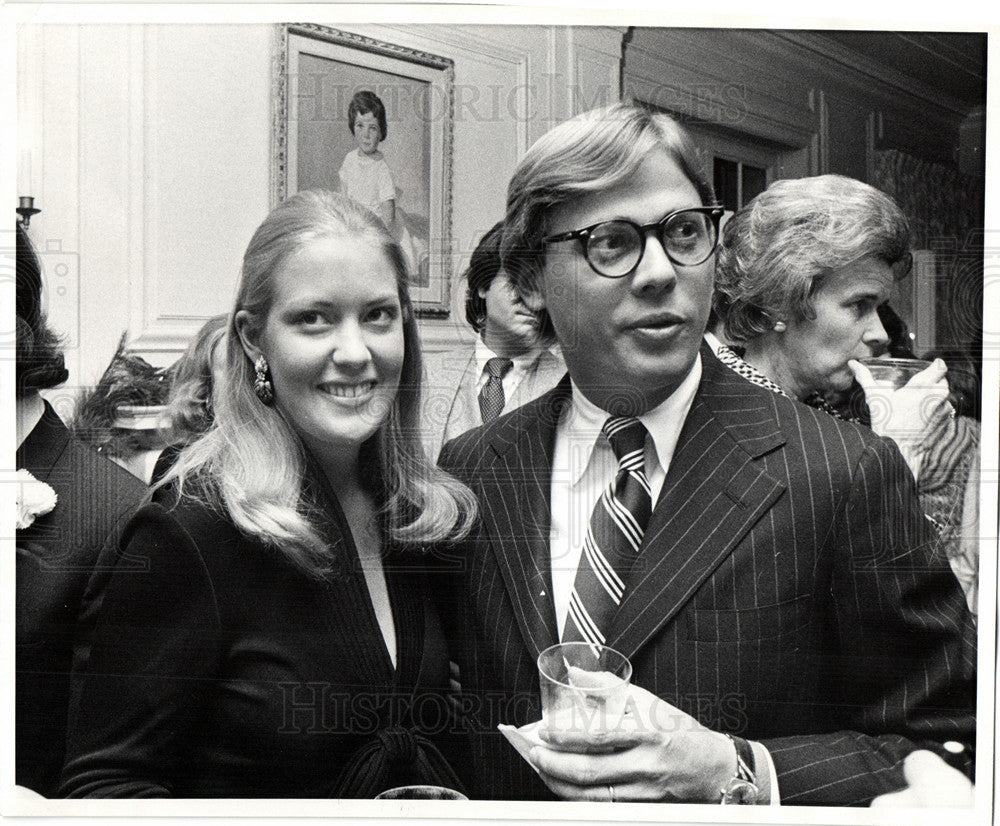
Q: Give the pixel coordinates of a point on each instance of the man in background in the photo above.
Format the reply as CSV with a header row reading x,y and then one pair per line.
x,y
509,365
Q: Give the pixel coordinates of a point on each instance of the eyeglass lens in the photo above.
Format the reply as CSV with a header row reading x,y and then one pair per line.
x,y
614,248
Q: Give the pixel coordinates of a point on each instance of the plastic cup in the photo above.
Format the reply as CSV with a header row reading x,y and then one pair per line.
x,y
585,687
420,793
896,371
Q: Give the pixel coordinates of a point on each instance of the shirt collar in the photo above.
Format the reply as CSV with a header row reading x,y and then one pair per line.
x,y
585,419
713,341
484,354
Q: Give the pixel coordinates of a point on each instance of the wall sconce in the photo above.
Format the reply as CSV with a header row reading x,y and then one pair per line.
x,y
26,208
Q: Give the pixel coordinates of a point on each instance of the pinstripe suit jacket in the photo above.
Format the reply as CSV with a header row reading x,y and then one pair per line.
x,y
787,589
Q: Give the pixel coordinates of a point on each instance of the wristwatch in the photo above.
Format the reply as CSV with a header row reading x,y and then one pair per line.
x,y
742,790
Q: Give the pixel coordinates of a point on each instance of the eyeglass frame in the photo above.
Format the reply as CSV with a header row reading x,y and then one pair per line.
x,y
714,212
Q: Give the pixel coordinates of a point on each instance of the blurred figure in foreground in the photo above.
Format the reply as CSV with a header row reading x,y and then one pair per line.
x,y
70,503
931,783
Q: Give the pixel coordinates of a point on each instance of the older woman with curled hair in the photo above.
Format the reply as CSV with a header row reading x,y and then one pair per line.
x,y
801,273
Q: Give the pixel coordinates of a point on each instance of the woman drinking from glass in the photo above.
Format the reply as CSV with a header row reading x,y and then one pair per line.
x,y
801,273
804,273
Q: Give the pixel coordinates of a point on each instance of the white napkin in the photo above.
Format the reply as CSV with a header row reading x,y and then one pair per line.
x,y
524,739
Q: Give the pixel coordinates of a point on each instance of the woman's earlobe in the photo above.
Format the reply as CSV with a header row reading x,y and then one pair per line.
x,y
245,330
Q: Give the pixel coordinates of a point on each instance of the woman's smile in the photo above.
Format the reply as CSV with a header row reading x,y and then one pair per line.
x,y
344,390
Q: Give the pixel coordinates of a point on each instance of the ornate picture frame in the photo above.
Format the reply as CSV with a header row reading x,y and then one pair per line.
x,y
318,72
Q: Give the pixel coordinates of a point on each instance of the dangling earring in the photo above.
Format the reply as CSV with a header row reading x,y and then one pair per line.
x,y
779,326
262,383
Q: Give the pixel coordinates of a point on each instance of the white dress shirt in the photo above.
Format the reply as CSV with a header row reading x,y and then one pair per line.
x,y
582,467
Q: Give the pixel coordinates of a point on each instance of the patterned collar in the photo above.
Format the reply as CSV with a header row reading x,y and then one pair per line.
x,y
729,358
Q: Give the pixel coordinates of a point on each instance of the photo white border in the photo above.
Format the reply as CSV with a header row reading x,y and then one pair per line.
x,y
852,14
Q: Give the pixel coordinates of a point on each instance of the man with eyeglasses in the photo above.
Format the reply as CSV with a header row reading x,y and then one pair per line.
x,y
794,631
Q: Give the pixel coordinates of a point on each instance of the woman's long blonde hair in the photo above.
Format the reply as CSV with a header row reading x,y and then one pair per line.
x,y
251,464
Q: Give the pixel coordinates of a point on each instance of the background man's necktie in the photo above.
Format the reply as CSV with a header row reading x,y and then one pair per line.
x,y
616,526
491,398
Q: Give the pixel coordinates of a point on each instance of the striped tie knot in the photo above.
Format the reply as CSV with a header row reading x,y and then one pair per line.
x,y
627,436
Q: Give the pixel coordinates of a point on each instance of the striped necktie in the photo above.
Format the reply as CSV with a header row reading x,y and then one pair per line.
x,y
613,536
491,398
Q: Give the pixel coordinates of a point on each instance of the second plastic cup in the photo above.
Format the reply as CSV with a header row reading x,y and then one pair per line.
x,y
420,793
897,371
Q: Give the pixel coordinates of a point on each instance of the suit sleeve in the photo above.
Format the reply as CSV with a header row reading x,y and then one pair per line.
x,y
139,689
903,675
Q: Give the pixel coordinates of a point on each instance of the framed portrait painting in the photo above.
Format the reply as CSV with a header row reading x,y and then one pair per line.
x,y
372,120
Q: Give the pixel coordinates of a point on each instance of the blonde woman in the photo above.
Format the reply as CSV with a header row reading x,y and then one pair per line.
x,y
281,642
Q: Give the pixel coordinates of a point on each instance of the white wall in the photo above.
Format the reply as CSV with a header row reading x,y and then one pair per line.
x,y
148,149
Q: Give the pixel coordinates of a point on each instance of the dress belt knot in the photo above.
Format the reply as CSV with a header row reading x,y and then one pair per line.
x,y
399,745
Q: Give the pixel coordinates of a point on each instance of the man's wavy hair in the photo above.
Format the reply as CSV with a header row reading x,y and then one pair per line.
x,y
589,153
484,265
419,504
38,352
776,251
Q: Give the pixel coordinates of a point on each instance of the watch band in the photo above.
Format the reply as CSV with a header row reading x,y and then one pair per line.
x,y
746,764
743,788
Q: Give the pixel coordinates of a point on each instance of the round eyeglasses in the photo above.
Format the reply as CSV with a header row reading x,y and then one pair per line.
x,y
615,248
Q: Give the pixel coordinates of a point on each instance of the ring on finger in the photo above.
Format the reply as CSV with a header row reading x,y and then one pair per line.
x,y
611,793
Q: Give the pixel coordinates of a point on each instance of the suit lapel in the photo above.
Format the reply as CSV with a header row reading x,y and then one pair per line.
x,y
44,445
463,411
516,512
469,416
712,495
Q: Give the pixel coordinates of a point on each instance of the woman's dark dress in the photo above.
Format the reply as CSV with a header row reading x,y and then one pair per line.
x,y
224,671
